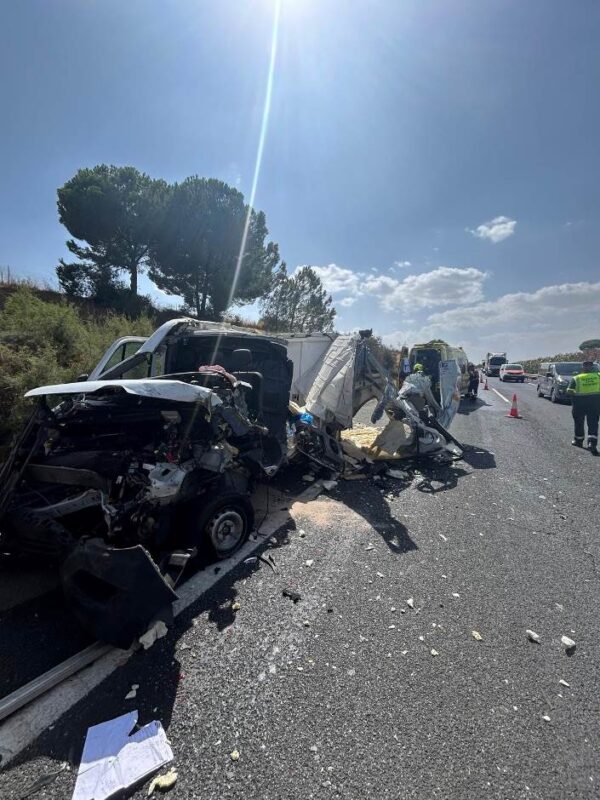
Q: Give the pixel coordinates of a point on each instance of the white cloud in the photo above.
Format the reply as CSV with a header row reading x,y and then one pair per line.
x,y
496,230
338,279
443,286
402,264
553,319
440,287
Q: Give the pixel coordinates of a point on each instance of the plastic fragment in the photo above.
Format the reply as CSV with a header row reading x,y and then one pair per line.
x,y
236,606
132,692
234,755
564,683
399,474
568,643
380,575
329,485
308,478
546,717
157,631
477,636
293,596
410,602
309,562
532,636
370,547
434,652
445,538
163,782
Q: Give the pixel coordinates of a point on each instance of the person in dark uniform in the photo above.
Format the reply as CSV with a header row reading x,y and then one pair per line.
x,y
585,394
473,382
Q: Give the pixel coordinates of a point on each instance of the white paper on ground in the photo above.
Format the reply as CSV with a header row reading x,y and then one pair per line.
x,y
113,760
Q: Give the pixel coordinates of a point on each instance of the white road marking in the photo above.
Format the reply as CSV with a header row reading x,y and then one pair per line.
x,y
506,400
23,727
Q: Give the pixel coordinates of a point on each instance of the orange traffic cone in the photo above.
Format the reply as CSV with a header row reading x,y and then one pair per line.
x,y
486,387
514,411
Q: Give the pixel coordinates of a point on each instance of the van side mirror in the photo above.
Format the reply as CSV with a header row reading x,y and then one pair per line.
x,y
548,374
83,377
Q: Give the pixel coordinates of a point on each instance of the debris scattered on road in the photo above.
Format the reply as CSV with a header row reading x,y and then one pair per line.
x,y
269,561
329,485
477,636
370,547
308,478
306,623
392,609
546,717
410,602
154,632
445,538
559,606
398,474
434,652
132,692
236,606
234,755
532,636
163,782
295,597
455,594
564,683
380,574
542,496
309,562
114,759
569,644
44,780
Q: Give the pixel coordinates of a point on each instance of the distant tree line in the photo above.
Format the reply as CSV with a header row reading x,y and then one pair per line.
x,y
589,349
197,239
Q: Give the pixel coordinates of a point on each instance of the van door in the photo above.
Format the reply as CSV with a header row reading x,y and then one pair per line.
x,y
118,351
550,378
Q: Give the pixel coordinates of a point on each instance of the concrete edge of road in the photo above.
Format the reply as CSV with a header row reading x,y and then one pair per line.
x,y
25,725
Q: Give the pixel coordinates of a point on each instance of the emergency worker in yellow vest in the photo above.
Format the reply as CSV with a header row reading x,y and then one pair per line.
x,y
584,390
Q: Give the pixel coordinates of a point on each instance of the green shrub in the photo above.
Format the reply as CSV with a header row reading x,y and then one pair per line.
x,y
44,343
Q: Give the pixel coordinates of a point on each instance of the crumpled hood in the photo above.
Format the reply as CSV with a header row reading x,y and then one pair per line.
x,y
159,389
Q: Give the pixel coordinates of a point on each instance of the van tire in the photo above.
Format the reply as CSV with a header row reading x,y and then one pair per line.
x,y
553,396
539,391
222,525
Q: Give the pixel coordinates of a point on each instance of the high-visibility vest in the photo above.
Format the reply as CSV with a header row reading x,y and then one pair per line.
x,y
585,384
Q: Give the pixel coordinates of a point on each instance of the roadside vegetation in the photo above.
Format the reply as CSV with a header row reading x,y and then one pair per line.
x,y
44,342
588,349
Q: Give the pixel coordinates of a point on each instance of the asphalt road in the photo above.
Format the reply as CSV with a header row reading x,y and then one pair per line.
x,y
342,695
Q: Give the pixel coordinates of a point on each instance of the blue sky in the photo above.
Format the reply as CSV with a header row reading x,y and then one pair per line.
x,y
437,161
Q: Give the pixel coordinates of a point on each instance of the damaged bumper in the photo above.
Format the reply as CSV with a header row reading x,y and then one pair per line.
x,y
115,592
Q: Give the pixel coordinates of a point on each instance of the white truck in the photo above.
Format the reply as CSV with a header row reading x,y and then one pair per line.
x,y
493,362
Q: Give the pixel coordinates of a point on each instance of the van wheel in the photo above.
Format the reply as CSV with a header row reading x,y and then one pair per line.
x,y
553,396
221,525
539,391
